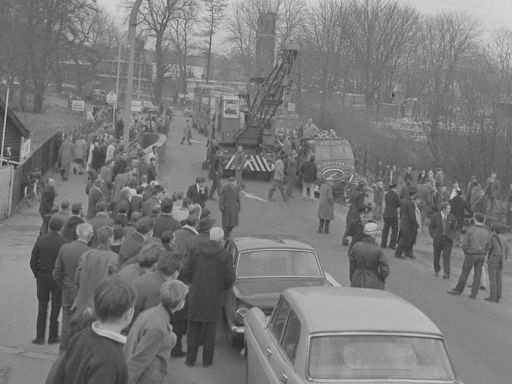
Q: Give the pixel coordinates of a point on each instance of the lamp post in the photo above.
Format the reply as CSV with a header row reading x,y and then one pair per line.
x,y
132,26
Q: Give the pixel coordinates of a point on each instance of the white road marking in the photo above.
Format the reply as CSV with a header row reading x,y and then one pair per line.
x,y
197,141
253,196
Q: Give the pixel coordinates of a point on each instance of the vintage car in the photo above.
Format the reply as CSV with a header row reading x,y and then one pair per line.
x,y
344,335
265,266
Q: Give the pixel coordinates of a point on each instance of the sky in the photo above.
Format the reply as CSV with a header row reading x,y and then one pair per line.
x,y
492,13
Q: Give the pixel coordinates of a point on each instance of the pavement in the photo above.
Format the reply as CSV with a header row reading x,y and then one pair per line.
x,y
477,332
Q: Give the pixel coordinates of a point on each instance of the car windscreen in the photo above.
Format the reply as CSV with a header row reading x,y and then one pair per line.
x,y
370,357
276,263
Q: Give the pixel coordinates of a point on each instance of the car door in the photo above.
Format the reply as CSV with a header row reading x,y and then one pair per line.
x,y
262,346
285,357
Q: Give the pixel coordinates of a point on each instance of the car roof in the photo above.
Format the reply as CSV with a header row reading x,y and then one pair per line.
x,y
253,242
340,309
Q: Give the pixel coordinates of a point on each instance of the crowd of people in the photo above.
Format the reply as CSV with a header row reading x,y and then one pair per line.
x,y
134,271
452,217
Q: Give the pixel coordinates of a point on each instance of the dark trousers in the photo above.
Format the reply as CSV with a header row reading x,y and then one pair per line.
x,y
495,281
227,232
67,313
471,261
194,336
292,181
405,245
45,290
324,225
443,246
278,184
389,222
216,186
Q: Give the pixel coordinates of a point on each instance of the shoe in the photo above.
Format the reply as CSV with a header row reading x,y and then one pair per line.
x,y
326,231
445,276
319,231
344,243
410,256
491,300
436,274
472,296
454,292
190,364
54,340
383,246
291,197
483,288
206,365
178,354
38,341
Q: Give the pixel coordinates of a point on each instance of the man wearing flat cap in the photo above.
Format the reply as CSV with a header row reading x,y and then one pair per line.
x,y
408,226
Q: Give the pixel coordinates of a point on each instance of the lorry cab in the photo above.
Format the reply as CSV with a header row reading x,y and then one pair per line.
x,y
334,158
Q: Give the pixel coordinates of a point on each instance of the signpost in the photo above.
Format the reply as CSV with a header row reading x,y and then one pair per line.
x,y
291,107
136,106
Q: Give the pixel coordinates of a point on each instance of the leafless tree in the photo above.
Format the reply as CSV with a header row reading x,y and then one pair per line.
x,y
379,33
214,13
180,29
501,51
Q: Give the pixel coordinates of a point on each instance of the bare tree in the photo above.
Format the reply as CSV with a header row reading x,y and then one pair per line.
x,y
501,51
379,32
446,40
214,10
179,33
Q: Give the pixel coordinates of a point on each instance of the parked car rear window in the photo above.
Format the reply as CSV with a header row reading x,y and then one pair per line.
x,y
277,263
378,357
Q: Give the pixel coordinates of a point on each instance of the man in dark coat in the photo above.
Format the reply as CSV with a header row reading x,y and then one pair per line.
x,y
355,231
69,230
408,226
98,156
164,221
198,192
42,261
443,229
133,242
371,267
48,195
390,216
229,205
95,196
64,275
308,173
209,269
151,171
154,200
101,219
356,203
458,209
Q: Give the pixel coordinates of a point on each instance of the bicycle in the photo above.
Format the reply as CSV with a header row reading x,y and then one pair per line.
x,y
33,188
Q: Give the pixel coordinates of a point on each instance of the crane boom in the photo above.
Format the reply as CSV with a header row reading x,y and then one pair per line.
x,y
266,99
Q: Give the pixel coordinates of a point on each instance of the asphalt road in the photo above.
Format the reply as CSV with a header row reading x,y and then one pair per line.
x,y
478,333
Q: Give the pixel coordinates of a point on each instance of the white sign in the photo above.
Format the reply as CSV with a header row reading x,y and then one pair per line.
x,y
291,107
231,109
25,149
78,106
136,106
111,98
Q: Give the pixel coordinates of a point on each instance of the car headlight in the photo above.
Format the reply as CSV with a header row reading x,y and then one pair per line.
x,y
240,315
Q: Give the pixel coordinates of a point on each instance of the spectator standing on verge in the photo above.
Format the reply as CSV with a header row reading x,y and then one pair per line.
x,y
371,267
443,229
95,355
291,174
215,174
459,207
476,246
390,217
229,206
378,199
151,337
64,275
42,261
209,270
308,173
48,195
164,221
492,190
497,254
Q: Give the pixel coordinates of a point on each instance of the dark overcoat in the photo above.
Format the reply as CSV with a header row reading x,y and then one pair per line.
x,y
408,223
229,205
370,265
209,269
326,203
356,202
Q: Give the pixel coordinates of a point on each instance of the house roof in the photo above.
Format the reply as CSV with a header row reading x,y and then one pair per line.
x,y
14,119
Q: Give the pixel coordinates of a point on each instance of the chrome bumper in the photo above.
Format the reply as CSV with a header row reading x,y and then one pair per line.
x,y
237,330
